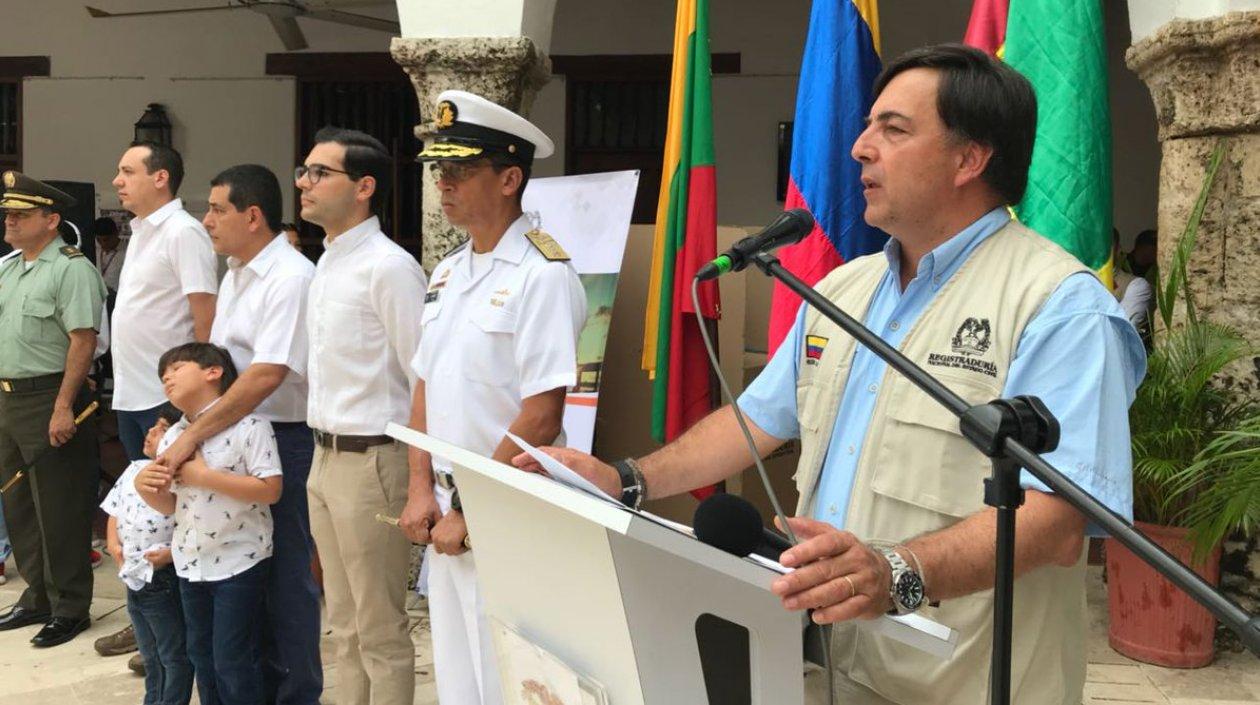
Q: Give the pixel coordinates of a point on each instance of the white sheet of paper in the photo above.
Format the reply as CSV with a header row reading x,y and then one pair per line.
x,y
558,471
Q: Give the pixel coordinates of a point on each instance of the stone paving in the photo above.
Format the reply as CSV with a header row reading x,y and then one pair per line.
x,y
72,674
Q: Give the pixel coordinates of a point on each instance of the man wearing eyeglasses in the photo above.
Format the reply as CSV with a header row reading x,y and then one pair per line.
x,y
363,321
501,323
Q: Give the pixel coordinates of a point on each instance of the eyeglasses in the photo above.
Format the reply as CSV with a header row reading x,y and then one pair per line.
x,y
455,172
315,172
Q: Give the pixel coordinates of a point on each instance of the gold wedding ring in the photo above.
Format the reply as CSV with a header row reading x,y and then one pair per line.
x,y
852,587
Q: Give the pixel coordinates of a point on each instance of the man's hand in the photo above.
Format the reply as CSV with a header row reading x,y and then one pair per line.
x,y
153,479
61,426
836,575
178,452
420,515
449,534
601,474
154,436
159,557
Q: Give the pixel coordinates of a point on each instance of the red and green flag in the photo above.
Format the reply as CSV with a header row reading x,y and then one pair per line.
x,y
1060,47
685,238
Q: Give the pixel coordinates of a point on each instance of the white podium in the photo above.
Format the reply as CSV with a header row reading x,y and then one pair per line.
x,y
613,593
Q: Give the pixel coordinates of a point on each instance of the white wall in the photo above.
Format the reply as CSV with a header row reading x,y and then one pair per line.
x,y
208,69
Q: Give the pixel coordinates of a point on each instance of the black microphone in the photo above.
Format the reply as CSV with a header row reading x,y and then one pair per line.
x,y
729,522
790,227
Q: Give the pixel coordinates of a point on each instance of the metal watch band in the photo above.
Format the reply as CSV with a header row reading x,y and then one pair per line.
x,y
902,572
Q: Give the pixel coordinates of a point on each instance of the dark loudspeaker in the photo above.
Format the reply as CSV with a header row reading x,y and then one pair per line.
x,y
82,214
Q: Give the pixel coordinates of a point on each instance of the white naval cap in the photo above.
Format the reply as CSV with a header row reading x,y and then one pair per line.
x,y
471,127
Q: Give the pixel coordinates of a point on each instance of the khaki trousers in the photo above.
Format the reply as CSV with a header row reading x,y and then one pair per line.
x,y
365,571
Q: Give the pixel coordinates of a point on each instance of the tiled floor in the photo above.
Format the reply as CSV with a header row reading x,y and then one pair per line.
x,y
73,674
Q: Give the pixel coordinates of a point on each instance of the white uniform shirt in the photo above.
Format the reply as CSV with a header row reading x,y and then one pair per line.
x,y
260,316
141,528
168,257
364,326
493,338
217,536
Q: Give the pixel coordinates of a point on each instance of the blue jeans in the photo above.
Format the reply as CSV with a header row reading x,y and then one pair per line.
x,y
5,547
158,617
221,618
292,670
132,428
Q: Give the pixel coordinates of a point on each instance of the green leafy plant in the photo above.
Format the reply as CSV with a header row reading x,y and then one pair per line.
x,y
1196,447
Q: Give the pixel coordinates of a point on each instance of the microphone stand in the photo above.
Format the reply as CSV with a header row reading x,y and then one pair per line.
x,y
1013,433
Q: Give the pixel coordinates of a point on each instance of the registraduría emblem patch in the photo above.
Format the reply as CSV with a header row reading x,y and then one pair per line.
x,y
972,337
969,344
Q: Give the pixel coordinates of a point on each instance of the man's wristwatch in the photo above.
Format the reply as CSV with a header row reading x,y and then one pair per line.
x,y
632,487
906,589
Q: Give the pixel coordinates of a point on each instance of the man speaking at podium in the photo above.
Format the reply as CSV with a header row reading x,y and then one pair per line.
x,y
890,491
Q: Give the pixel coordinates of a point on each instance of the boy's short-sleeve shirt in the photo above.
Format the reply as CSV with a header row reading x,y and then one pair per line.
x,y
141,528
216,536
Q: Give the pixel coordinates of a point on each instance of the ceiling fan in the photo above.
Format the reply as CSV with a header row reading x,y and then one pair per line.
x,y
283,15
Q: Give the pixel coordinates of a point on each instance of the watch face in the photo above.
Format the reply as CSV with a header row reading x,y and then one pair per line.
x,y
910,591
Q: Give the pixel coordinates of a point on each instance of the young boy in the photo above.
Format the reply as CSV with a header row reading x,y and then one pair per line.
x,y
139,539
222,536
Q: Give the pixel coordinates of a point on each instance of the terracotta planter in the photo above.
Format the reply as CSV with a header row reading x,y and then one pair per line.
x,y
1151,619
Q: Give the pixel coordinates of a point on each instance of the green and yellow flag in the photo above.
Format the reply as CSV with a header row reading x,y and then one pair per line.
x,y
1060,47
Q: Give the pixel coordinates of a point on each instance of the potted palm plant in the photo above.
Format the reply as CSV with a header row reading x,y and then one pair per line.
x,y
1196,471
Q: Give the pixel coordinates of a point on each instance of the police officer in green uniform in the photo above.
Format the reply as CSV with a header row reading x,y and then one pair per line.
x,y
50,311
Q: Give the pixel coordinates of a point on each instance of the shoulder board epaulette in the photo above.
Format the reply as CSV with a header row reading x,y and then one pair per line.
x,y
456,248
547,246
71,251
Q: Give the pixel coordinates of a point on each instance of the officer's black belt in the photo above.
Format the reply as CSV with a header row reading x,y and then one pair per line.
x,y
445,480
31,384
350,444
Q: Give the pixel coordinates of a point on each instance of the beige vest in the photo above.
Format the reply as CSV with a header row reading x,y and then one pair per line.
x,y
918,474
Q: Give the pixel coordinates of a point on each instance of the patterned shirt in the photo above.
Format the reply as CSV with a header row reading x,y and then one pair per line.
x,y
216,536
141,528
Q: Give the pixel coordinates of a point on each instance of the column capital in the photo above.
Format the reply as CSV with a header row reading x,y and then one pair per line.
x,y
1202,75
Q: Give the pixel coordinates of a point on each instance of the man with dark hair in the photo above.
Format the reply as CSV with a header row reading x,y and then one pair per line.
x,y
364,325
890,491
1143,258
51,298
110,254
501,323
260,318
166,289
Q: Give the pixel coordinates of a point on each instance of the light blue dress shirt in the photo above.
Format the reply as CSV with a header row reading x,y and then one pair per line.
x,y
1079,354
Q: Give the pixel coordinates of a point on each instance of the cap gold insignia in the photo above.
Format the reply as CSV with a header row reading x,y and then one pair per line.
x,y
446,114
547,246
9,179
446,150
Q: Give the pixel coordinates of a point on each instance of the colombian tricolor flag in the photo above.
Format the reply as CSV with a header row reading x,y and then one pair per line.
x,y
1060,48
686,236
833,97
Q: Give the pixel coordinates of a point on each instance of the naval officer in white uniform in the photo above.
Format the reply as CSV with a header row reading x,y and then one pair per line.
x,y
498,350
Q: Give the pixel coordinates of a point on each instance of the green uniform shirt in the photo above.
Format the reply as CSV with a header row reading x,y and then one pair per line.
x,y
61,292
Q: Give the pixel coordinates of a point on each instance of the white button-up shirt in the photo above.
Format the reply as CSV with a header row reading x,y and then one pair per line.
x,y
364,326
260,316
217,536
168,257
141,528
495,336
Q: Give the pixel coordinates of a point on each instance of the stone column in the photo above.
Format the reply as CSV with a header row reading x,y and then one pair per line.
x,y
507,70
1204,77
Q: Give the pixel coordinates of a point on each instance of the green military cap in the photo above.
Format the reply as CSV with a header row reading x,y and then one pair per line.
x,y
21,193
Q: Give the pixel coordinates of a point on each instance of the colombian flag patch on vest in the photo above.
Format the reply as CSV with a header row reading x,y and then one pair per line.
x,y
814,345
